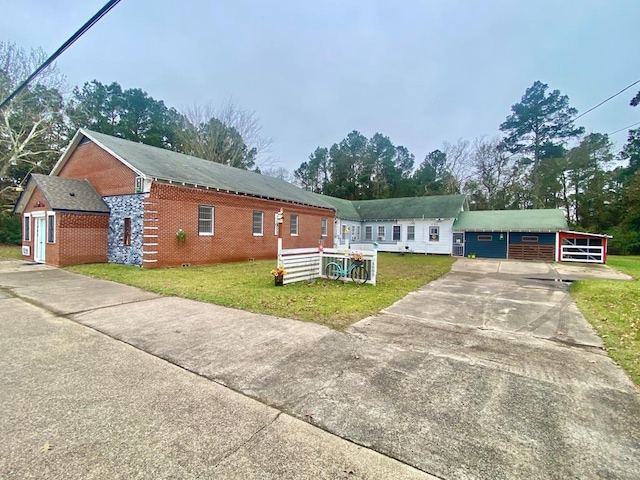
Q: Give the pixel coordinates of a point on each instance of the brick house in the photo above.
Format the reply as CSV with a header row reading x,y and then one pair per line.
x,y
113,200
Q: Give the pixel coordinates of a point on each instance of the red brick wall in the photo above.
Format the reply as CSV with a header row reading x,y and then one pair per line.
x,y
233,240
80,238
107,174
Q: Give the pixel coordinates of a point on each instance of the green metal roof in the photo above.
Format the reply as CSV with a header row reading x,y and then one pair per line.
x,y
161,164
436,206
541,220
344,208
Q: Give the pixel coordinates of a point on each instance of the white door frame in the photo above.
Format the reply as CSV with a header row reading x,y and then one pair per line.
x,y
39,236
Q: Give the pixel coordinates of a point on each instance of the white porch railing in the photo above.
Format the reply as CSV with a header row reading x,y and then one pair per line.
x,y
303,264
579,253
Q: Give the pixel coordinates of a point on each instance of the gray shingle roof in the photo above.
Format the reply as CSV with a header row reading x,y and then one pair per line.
x,y
161,164
70,194
540,220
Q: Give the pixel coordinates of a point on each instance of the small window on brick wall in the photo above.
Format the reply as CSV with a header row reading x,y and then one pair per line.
x,y
294,225
126,231
258,217
27,228
323,227
51,228
205,220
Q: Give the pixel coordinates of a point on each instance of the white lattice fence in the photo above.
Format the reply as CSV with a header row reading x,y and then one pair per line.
x,y
303,264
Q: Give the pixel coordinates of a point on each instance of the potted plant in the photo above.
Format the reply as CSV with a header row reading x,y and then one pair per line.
x,y
357,258
278,275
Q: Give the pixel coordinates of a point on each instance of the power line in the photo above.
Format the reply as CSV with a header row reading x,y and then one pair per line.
x,y
92,21
618,131
605,101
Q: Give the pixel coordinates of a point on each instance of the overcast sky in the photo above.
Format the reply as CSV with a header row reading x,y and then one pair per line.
x,y
420,72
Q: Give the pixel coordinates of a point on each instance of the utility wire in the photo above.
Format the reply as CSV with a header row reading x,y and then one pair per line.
x,y
605,101
629,126
92,21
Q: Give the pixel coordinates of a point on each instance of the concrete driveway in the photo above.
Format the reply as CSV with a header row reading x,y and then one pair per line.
x,y
482,374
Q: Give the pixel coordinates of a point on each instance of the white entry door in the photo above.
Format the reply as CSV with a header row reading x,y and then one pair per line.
x,y
39,237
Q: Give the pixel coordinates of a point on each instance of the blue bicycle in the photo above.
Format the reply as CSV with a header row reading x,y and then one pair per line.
x,y
356,270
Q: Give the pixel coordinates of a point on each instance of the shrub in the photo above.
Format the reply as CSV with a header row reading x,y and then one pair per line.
x,y
10,230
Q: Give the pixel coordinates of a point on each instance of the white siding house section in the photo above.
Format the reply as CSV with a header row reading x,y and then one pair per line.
x,y
422,242
347,232
407,224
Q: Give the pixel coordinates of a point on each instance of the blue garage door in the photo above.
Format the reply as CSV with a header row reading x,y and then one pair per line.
x,y
486,244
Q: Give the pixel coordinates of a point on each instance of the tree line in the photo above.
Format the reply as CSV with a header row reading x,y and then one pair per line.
x,y
540,159
37,125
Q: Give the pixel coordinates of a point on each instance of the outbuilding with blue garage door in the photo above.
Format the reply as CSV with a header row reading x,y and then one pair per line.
x,y
514,234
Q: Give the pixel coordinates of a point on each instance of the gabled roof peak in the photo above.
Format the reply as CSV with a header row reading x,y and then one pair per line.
x,y
168,166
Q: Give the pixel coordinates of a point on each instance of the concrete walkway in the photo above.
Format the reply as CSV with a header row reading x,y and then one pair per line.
x,y
480,374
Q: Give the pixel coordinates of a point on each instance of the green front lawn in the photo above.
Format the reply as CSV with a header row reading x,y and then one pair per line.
x,y
249,286
11,251
613,308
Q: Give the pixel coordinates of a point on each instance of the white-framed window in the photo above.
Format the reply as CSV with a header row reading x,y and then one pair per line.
x,y
26,227
293,228
345,232
411,233
434,233
51,227
368,232
139,184
358,232
354,232
381,232
323,227
205,220
396,233
258,223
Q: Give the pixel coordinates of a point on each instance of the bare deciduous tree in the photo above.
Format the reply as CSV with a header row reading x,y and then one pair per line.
x,y
494,174
32,124
458,164
228,134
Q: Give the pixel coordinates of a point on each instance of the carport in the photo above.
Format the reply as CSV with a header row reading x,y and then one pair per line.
x,y
512,234
581,247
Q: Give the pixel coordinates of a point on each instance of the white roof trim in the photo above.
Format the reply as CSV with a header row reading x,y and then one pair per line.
x,y
587,234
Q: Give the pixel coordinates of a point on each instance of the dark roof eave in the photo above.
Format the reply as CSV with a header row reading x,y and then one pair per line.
x,y
74,210
234,192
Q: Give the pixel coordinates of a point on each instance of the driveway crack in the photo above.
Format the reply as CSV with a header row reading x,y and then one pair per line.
x,y
249,440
